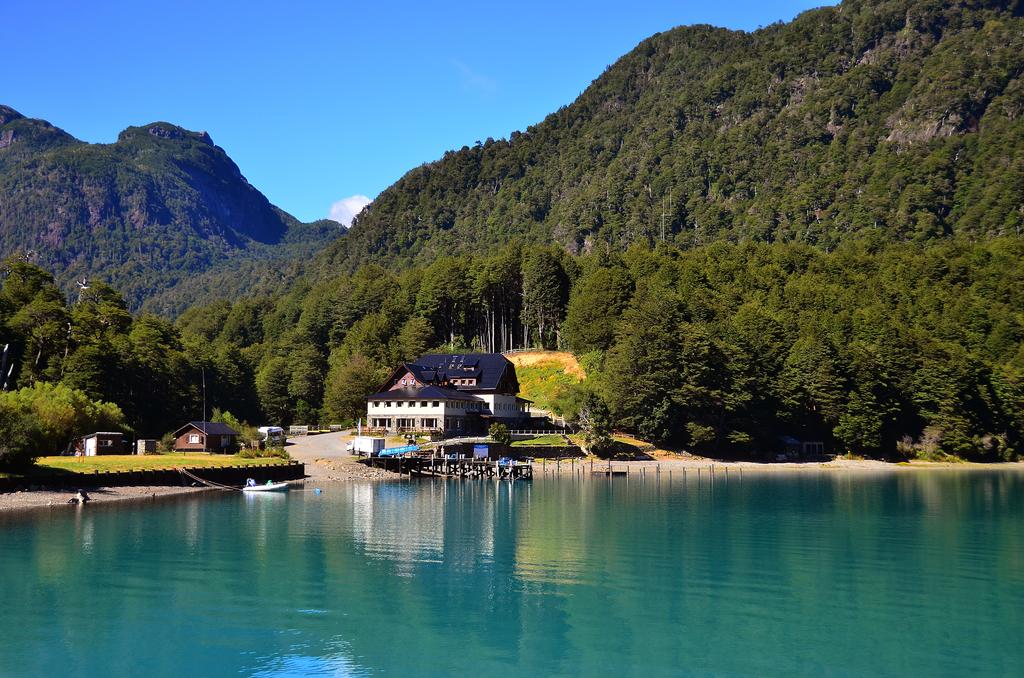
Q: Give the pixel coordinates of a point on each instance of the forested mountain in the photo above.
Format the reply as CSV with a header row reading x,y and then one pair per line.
x,y
812,230
894,350
895,117
145,213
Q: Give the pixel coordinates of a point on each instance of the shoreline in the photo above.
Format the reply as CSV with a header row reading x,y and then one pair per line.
x,y
348,469
705,464
25,500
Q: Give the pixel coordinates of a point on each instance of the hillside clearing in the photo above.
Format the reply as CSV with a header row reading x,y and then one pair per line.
x,y
543,375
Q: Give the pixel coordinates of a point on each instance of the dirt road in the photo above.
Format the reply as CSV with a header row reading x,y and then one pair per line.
x,y
326,459
320,446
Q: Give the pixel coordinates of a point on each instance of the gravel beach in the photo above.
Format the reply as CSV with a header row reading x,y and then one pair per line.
x,y
326,461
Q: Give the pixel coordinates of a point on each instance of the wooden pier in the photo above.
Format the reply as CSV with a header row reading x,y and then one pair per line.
x,y
439,467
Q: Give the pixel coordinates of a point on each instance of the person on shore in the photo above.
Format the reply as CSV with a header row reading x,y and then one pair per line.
x,y
80,498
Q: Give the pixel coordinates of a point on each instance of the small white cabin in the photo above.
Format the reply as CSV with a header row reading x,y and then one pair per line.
x,y
102,442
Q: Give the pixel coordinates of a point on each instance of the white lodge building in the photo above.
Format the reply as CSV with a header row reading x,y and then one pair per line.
x,y
450,394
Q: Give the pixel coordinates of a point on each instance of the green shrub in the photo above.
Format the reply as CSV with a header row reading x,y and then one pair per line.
x,y
499,434
278,452
268,453
166,444
46,418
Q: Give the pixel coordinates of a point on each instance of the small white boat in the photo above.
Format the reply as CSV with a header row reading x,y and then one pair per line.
x,y
267,487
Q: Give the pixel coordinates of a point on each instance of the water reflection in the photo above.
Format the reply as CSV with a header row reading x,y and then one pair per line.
x,y
771,572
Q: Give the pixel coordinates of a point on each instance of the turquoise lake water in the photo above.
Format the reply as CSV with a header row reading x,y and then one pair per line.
x,y
853,573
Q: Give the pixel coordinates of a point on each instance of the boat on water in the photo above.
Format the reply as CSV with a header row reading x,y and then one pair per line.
x,y
269,486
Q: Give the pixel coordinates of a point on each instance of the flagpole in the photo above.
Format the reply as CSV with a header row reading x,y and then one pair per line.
x,y
203,370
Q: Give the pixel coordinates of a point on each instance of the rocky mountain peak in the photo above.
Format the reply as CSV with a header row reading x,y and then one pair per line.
x,y
166,130
8,114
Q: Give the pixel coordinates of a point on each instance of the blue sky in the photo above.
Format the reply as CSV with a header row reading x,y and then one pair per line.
x,y
319,101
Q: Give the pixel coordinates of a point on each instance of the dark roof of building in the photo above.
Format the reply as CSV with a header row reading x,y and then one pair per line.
x,y
486,368
210,428
424,393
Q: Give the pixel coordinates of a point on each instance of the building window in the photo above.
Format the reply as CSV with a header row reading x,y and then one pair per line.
x,y
387,403
193,439
105,443
436,403
423,404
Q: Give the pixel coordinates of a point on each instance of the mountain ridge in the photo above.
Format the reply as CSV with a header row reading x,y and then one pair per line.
x,y
145,213
894,119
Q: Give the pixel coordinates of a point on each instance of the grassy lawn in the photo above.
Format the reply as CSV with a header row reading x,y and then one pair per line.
x,y
630,440
131,462
552,440
626,447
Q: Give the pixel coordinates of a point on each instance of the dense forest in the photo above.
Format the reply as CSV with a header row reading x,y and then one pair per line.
x,y
71,368
899,118
810,230
879,349
147,213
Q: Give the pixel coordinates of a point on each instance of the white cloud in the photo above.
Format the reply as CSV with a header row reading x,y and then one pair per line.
x,y
346,209
471,80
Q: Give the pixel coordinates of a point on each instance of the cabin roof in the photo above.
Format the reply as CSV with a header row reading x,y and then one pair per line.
x,y
486,368
208,427
423,393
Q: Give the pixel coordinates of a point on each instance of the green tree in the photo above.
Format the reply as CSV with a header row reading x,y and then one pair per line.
x,y
44,327
545,291
46,418
247,434
306,367
595,423
349,381
812,386
497,293
413,339
644,368
596,303
18,432
272,387
445,299
499,433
